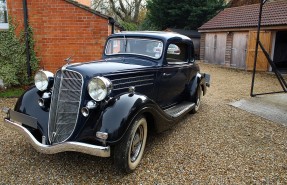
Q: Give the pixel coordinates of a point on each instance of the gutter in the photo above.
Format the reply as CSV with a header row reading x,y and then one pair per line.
x,y
112,22
28,57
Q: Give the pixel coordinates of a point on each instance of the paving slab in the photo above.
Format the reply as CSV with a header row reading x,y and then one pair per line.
x,y
272,107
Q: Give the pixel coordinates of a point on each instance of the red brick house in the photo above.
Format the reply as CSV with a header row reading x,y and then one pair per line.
x,y
229,38
62,28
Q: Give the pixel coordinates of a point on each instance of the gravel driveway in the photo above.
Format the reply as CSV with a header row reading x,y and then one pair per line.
x,y
218,145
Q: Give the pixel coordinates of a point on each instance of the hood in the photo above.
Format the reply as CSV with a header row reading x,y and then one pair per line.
x,y
110,66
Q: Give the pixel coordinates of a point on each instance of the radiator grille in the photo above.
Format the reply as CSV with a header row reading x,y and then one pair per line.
x,y
67,92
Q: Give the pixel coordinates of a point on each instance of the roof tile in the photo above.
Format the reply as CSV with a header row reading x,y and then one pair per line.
x,y
274,14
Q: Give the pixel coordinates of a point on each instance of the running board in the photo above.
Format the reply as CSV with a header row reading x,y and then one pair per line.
x,y
179,109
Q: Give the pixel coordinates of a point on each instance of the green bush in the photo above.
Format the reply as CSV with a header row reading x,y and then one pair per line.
x,y
129,26
13,66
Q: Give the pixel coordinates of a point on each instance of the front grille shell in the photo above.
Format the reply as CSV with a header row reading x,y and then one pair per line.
x,y
65,105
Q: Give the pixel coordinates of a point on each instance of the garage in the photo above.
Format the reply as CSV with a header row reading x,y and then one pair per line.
x,y
230,37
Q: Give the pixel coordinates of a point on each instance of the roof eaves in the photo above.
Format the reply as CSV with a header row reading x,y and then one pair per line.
x,y
244,28
232,27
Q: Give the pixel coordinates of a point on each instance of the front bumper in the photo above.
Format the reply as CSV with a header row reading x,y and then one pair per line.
x,y
57,148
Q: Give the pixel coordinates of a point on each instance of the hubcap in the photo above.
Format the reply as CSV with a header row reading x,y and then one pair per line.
x,y
198,100
137,143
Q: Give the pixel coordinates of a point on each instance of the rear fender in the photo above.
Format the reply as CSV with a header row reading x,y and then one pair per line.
x,y
202,80
193,85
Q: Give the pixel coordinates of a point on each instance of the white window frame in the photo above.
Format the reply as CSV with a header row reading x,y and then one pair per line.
x,y
5,26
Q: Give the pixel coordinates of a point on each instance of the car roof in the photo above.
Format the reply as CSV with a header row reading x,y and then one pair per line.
x,y
151,34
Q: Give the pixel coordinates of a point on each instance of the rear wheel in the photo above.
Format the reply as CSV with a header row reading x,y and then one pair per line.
x,y
128,153
197,100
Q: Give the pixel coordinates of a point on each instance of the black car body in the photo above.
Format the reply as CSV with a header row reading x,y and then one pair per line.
x,y
109,105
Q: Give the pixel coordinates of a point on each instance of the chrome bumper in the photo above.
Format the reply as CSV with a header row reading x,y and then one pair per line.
x,y
57,148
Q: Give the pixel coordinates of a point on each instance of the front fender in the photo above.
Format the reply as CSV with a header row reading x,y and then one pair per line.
x,y
28,104
117,117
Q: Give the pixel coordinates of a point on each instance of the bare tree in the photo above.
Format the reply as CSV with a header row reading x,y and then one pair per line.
x,y
102,6
125,10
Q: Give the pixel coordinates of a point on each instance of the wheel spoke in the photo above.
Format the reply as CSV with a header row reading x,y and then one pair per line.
x,y
137,143
136,140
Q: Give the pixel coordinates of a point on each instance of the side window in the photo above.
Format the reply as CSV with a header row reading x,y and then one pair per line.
x,y
177,53
3,15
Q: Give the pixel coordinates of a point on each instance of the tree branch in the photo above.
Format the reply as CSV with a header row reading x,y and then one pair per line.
x,y
117,12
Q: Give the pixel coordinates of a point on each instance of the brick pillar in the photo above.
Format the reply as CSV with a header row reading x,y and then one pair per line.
x,y
202,46
228,51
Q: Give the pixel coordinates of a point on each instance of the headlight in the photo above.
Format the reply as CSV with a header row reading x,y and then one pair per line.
x,y
99,88
43,80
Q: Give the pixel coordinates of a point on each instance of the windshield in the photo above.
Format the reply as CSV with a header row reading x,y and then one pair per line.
x,y
136,46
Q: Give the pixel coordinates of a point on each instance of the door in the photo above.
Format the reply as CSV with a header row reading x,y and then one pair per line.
x,y
215,46
209,53
262,62
220,48
173,81
174,75
239,50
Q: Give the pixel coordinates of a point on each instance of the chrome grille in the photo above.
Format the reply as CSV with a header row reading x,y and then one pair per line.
x,y
136,81
67,92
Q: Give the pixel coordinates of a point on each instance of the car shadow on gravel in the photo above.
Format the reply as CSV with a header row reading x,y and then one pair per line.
x,y
68,162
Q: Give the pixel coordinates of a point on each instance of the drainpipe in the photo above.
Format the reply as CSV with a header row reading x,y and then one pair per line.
x,y
25,11
112,22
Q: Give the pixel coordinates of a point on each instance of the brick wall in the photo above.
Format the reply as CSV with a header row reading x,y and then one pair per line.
x,y
15,10
62,29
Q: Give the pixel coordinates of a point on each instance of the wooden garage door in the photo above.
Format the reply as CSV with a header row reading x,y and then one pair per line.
x,y
239,50
215,46
209,48
262,62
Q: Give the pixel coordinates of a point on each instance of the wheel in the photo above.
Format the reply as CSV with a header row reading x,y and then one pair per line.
x,y
128,153
197,100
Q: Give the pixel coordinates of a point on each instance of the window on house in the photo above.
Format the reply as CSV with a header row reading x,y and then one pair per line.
x,y
3,15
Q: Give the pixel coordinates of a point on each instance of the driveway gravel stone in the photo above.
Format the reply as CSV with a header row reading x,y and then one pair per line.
x,y
218,145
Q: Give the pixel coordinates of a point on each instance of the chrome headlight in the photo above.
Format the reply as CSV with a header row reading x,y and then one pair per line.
x,y
99,88
43,79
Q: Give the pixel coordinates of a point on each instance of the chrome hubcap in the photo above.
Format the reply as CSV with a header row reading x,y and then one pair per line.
x,y
137,143
198,100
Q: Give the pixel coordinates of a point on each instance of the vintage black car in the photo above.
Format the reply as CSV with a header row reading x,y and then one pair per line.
x,y
106,108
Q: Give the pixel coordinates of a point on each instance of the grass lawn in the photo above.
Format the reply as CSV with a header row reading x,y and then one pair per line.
x,y
11,92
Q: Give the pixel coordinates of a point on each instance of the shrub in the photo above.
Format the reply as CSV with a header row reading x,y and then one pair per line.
x,y
13,66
